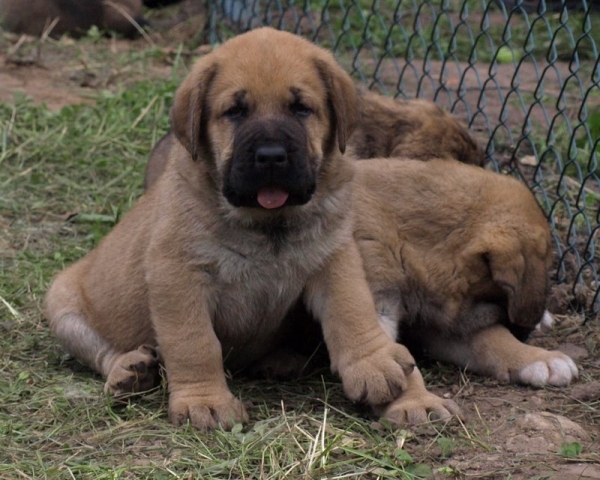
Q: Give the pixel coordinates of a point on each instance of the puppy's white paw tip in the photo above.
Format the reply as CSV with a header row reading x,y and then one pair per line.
x,y
558,372
535,374
546,322
562,371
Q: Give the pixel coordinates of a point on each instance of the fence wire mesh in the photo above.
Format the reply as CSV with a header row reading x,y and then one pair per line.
x,y
524,76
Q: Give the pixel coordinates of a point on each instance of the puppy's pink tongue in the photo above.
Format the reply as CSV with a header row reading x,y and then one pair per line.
x,y
271,197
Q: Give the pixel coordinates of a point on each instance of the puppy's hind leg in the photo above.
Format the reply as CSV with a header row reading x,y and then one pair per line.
x,y
494,351
125,372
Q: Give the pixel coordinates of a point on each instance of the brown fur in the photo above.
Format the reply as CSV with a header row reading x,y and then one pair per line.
x,y
197,271
388,127
33,17
416,129
157,161
456,257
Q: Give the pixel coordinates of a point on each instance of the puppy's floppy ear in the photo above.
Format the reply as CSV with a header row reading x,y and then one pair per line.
x,y
524,279
341,93
189,113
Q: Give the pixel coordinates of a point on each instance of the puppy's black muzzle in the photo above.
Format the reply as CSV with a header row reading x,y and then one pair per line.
x,y
270,153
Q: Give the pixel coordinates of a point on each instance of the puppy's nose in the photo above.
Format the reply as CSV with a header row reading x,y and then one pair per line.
x,y
270,156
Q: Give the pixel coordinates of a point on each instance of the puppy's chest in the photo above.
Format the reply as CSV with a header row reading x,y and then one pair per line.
x,y
255,287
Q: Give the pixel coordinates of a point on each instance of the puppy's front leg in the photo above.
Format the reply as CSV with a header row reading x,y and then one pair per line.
x,y
373,367
198,392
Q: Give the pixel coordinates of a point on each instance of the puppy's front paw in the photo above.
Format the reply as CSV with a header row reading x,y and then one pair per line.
x,y
134,372
411,410
551,368
378,377
206,412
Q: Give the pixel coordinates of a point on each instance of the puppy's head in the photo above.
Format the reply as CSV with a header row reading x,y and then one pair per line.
x,y
518,258
267,111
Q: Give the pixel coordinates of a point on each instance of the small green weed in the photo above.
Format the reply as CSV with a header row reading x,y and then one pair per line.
x,y
570,450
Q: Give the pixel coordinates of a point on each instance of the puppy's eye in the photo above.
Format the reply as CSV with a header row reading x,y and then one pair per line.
x,y
301,110
237,112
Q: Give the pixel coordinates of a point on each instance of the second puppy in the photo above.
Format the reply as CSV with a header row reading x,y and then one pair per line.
x,y
457,259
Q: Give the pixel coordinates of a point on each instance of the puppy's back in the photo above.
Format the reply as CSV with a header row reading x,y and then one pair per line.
x,y
443,193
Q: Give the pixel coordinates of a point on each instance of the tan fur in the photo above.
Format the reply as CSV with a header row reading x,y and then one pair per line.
x,y
388,127
189,272
415,128
158,158
33,17
456,257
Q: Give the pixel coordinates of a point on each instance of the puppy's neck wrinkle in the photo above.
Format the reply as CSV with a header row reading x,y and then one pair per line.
x,y
275,236
236,252
277,233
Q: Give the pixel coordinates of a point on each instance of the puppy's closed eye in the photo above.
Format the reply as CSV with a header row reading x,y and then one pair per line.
x,y
236,112
300,109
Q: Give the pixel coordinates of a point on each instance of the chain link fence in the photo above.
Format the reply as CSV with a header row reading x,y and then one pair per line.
x,y
524,76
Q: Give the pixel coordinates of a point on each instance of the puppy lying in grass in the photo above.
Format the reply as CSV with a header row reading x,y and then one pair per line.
x,y
456,258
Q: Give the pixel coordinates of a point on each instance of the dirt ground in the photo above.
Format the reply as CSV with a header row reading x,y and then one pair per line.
x,y
514,432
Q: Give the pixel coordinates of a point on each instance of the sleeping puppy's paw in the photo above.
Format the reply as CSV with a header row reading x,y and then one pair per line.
x,y
550,368
378,377
206,412
546,322
411,410
134,372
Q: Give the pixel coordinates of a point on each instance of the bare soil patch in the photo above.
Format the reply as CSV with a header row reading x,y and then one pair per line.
x,y
66,71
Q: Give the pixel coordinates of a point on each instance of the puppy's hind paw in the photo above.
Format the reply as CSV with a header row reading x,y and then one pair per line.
x,y
134,372
557,370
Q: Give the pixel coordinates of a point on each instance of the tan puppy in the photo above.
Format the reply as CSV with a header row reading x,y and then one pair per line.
x,y
456,258
252,214
415,128
387,127
33,17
